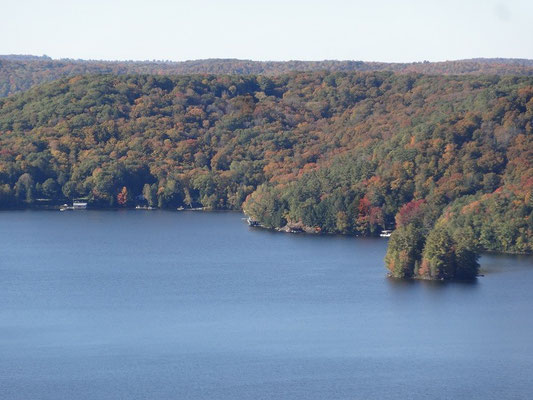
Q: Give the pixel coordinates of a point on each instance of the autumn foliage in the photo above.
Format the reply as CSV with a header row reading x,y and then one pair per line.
x,y
337,152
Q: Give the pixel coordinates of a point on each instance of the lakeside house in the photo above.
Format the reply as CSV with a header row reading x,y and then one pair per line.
x,y
79,205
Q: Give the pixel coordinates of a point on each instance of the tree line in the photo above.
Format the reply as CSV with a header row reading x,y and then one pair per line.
x,y
21,72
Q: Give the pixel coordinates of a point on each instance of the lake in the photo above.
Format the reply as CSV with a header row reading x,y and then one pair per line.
x,y
196,305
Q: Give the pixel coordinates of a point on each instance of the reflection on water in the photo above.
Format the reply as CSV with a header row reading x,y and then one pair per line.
x,y
498,263
152,304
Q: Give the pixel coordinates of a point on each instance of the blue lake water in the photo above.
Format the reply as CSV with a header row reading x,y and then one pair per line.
x,y
185,305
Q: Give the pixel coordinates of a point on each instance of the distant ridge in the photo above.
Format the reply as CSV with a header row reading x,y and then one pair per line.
x,y
21,72
23,57
512,61
484,60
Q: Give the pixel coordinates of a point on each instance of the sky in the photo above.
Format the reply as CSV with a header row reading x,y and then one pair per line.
x,y
371,30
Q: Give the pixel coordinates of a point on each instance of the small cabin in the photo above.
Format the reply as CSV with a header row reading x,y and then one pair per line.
x,y
79,205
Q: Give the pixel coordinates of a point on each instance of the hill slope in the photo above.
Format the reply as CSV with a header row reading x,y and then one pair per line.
x,y
336,152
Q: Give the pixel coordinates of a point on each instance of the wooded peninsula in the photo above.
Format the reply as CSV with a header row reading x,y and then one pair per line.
x,y
444,160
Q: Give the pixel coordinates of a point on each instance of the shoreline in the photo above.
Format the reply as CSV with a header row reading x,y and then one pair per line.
x,y
289,228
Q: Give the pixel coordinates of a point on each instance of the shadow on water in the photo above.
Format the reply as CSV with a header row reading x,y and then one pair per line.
x,y
409,284
375,242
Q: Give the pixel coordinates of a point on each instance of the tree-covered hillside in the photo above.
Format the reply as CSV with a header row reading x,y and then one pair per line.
x,y
21,72
339,152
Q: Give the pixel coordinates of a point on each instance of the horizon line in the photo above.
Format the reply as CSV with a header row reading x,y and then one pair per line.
x,y
46,57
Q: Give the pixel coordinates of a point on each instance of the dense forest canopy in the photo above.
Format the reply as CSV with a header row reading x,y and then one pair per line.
x,y
20,72
447,157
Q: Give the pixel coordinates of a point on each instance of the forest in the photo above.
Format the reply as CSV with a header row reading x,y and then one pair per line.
x,y
19,73
445,160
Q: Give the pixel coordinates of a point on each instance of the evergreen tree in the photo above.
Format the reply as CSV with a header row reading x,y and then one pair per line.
x,y
404,251
438,258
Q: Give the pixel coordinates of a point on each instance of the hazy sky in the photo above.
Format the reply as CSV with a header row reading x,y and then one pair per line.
x,y
371,30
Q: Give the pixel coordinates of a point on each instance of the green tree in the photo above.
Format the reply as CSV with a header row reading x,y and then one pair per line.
x,y
24,188
404,251
438,259
448,257
150,194
69,190
50,188
466,259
